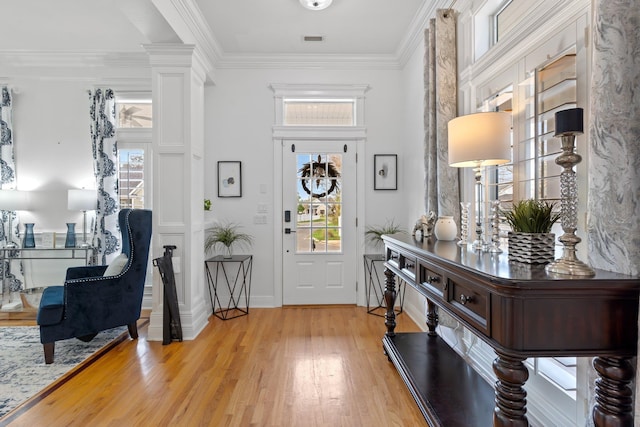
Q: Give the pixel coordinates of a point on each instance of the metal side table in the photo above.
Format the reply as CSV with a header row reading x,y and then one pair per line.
x,y
229,285
374,285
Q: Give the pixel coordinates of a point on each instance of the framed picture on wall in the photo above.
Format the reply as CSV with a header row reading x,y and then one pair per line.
x,y
229,179
385,168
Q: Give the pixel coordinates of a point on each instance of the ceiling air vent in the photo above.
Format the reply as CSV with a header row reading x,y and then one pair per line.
x,y
313,38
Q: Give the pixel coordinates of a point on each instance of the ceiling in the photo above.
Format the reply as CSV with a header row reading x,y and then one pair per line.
x,y
232,28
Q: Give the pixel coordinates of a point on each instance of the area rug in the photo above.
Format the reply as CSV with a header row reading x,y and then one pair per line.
x,y
23,373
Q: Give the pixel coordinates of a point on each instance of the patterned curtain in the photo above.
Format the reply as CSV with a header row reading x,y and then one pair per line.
x,y
105,234
614,159
8,182
7,160
441,181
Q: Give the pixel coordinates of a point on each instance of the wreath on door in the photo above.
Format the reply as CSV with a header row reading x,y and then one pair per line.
x,y
319,170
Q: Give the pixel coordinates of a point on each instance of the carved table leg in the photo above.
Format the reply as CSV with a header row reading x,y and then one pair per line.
x,y
511,398
432,317
614,397
390,301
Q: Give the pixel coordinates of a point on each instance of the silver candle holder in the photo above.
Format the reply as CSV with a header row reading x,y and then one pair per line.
x,y
494,245
464,223
569,123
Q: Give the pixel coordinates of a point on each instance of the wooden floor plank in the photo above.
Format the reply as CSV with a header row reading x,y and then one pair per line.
x,y
292,366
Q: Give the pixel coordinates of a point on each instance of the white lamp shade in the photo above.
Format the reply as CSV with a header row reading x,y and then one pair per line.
x,y
481,139
14,200
82,200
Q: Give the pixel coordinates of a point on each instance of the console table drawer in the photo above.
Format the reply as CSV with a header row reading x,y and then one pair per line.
x,y
432,280
471,302
406,264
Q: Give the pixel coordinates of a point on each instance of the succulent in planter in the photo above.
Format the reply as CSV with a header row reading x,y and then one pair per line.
x,y
531,240
226,235
373,234
531,216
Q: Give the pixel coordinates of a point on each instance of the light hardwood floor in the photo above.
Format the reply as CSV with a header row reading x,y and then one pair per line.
x,y
292,366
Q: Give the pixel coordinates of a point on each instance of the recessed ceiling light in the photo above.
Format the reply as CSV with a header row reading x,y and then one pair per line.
x,y
316,4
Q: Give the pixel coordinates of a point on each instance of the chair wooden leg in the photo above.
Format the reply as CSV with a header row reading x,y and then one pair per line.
x,y
133,330
49,348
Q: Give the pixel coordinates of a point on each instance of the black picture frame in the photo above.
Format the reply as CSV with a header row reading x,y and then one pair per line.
x,y
229,178
385,170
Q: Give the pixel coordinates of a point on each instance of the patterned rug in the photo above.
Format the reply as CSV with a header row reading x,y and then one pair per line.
x,y
23,373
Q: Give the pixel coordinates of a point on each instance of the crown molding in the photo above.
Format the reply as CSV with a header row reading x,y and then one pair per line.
x,y
73,59
415,36
309,61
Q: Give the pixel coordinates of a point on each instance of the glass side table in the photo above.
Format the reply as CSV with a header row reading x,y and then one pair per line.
x,y
26,260
229,282
374,286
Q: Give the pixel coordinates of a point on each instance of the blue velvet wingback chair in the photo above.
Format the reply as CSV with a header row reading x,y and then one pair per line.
x,y
90,301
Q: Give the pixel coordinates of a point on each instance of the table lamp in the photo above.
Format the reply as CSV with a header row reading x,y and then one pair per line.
x,y
82,200
475,141
13,200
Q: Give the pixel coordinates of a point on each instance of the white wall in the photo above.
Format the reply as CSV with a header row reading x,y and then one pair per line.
x,y
413,172
238,126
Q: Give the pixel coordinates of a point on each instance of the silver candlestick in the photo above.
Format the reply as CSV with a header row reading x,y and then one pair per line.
x,y
568,124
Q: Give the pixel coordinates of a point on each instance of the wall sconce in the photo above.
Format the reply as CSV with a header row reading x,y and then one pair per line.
x,y
385,172
82,200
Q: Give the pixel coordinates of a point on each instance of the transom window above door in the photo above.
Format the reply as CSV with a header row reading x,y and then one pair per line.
x,y
318,105
316,112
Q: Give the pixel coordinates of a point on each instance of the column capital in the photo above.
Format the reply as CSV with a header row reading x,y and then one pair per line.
x,y
170,54
178,55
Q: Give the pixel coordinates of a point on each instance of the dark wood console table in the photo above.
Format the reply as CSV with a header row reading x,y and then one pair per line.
x,y
521,312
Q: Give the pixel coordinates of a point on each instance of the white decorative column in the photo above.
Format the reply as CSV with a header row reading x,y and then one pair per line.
x,y
178,77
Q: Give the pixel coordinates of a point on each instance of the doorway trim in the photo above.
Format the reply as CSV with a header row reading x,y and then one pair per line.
x,y
282,137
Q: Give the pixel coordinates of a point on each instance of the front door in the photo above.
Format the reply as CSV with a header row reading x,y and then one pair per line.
x,y
319,204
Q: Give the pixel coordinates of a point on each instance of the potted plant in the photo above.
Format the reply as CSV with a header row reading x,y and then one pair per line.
x,y
531,240
373,234
226,235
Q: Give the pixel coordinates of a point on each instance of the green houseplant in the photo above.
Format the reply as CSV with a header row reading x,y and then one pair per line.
x,y
373,234
531,240
226,235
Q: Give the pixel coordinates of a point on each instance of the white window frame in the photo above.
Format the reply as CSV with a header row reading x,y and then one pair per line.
x,y
494,68
140,138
